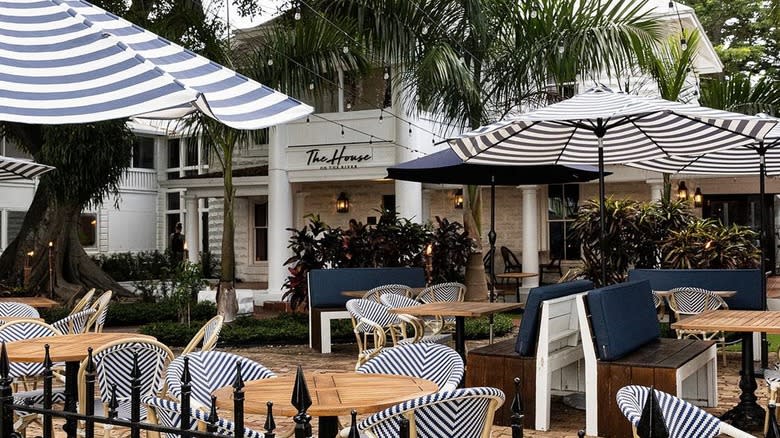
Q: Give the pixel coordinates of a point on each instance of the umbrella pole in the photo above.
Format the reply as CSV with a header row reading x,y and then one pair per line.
x,y
492,241
764,238
600,131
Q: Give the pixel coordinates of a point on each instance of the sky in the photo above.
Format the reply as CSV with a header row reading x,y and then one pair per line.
x,y
237,22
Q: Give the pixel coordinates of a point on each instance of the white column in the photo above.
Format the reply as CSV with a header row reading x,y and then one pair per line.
x,y
408,195
656,188
192,233
530,234
280,216
299,203
3,229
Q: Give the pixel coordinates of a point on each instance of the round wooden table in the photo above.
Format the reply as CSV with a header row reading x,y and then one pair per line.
x,y
71,349
7,319
332,394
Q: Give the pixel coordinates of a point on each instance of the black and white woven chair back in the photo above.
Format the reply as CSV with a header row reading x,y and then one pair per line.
x,y
18,330
396,289
693,300
437,363
75,323
210,370
18,310
211,331
101,306
114,363
168,414
363,311
656,300
443,292
393,300
462,413
682,419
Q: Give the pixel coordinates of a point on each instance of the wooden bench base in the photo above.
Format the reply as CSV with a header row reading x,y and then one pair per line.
x,y
319,326
497,365
681,367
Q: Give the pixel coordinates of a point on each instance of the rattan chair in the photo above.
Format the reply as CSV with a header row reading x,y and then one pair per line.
x,y
208,334
18,310
682,419
97,320
417,324
114,364
437,363
168,413
372,324
462,413
686,301
74,323
397,289
443,292
85,301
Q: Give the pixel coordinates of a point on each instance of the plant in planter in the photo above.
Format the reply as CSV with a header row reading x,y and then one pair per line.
x,y
187,280
451,247
707,244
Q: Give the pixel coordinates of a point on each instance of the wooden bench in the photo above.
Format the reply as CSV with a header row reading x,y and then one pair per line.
x,y
546,356
326,303
686,368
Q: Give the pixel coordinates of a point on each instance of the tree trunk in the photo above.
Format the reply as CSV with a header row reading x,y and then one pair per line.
x,y
73,270
476,284
227,305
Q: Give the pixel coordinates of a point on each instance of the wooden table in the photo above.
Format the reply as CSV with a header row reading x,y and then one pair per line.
x,y
37,302
332,394
360,293
7,319
747,414
518,277
71,349
460,310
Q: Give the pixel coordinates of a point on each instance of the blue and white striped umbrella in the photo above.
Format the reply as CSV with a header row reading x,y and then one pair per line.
x,y
64,61
16,168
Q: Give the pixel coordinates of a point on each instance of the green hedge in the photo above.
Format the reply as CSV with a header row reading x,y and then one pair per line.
x,y
139,313
290,329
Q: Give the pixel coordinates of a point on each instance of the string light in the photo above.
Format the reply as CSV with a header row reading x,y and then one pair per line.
x,y
410,128
345,49
386,75
381,116
297,15
308,120
311,85
425,30
371,139
561,47
270,62
683,44
349,105
342,130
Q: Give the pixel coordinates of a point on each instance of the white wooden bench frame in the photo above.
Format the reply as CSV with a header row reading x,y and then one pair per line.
x,y
558,352
703,390
324,322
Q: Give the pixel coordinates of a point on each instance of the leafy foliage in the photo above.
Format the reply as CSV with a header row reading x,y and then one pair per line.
x,y
659,235
394,241
741,94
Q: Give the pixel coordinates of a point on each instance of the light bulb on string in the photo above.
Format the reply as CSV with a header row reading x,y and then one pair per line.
x,y
561,47
533,13
410,128
425,30
381,117
386,75
297,15
342,130
371,139
683,44
311,85
270,62
345,49
349,105
307,120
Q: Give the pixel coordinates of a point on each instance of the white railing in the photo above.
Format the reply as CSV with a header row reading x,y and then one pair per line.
x,y
139,179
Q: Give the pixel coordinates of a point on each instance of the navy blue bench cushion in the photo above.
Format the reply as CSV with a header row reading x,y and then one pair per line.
x,y
326,285
747,283
529,325
623,318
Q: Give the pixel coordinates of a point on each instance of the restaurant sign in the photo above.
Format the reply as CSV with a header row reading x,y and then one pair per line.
x,y
339,157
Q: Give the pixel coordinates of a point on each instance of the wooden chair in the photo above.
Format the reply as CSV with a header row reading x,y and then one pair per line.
x,y
209,334
511,263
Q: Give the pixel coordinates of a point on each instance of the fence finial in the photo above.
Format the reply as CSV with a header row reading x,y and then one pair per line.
x,y
517,412
301,399
270,424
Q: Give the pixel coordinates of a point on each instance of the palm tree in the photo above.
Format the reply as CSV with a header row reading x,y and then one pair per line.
x,y
465,62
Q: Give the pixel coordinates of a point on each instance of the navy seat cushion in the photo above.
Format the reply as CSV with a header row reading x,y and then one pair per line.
x,y
623,318
326,285
747,283
529,325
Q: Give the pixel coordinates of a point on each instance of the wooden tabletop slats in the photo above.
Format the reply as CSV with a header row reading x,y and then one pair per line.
x,y
7,319
332,394
65,348
470,309
37,302
767,321
516,275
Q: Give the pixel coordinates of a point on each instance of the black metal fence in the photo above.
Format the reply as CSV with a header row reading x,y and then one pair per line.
x,y
300,398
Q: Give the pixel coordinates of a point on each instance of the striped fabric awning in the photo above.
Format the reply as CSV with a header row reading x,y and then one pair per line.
x,y
15,168
634,129
65,61
735,161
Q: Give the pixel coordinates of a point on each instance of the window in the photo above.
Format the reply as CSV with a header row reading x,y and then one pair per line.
x,y
187,156
143,153
562,204
14,225
11,149
261,232
173,211
88,229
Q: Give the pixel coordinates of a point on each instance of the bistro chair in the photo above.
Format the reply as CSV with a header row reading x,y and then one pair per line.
x,y
437,363
27,373
396,289
83,302
682,419
97,320
417,324
462,413
168,413
443,292
772,379
206,337
74,323
210,370
686,301
372,323
511,263
18,310
114,365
